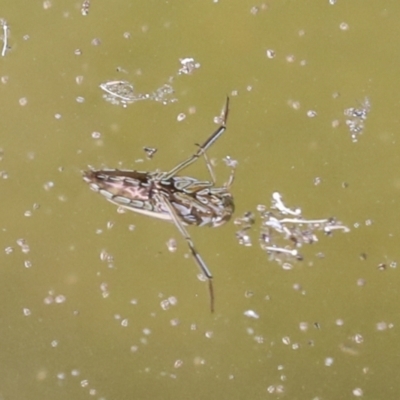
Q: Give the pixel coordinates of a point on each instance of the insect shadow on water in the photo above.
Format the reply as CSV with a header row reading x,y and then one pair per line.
x,y
182,200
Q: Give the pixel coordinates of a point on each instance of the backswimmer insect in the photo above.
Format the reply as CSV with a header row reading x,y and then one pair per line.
x,y
165,195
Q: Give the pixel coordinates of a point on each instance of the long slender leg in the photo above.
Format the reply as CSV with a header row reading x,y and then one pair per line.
x,y
229,163
202,265
209,167
203,148
231,178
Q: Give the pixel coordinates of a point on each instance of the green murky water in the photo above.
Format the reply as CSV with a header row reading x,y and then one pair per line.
x,y
76,326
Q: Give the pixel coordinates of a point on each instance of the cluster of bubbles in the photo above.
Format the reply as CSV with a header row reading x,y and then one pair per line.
x,y
356,118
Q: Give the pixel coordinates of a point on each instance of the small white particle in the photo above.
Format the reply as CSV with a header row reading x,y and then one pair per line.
x,y
381,326
181,117
178,363
172,245
96,42
60,299
251,314
294,104
26,311
286,340
290,58
110,224
173,300
358,338
328,361
9,250
361,282
344,26
303,326
47,4
48,185
84,383
175,322
259,339
270,53
96,135
254,10
165,304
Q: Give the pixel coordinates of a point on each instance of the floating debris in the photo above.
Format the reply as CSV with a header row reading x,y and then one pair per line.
x,y
356,118
150,151
284,230
122,92
163,95
189,65
119,92
281,237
